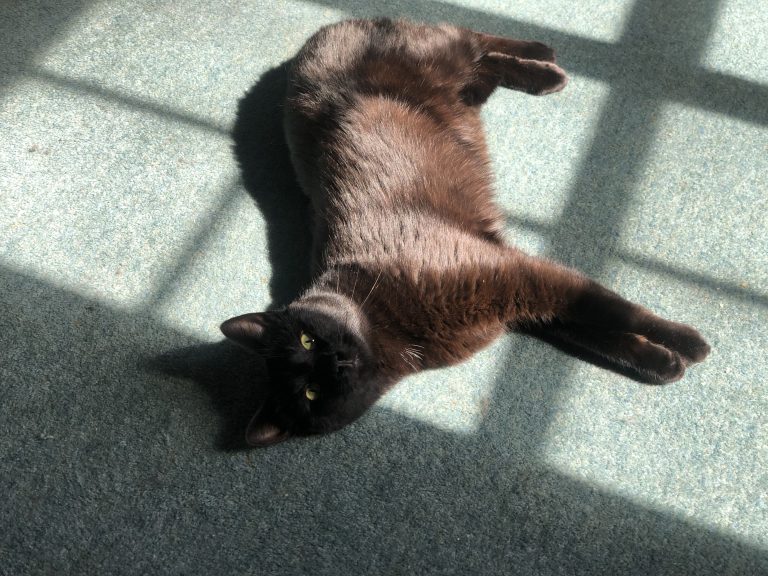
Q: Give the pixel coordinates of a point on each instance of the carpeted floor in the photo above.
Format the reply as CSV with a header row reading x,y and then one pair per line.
x,y
145,197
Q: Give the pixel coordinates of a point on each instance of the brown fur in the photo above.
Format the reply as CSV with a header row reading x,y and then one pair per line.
x,y
382,119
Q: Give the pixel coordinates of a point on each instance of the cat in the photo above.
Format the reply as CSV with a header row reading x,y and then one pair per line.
x,y
411,270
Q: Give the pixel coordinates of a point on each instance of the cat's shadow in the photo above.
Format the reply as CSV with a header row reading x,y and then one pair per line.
x,y
231,375
268,177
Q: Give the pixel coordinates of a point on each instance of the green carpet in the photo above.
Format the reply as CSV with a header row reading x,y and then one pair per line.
x,y
145,196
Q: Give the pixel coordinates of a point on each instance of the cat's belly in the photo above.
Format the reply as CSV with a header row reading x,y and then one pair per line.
x,y
460,345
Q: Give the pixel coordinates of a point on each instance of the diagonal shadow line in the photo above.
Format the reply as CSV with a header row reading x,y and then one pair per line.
x,y
729,289
601,195
169,281
124,100
589,227
528,223
738,98
689,83
28,28
116,438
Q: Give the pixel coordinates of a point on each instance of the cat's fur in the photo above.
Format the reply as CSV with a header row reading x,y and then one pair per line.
x,y
411,269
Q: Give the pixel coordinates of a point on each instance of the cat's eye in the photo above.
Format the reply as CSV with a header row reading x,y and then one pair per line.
x,y
310,394
307,342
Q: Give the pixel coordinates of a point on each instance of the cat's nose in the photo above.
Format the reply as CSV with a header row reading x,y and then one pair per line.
x,y
345,361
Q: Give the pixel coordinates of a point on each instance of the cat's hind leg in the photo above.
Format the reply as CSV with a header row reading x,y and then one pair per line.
x,y
536,77
515,64
531,76
525,49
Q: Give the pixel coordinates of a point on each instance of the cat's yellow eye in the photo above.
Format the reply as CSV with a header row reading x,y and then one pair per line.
x,y
307,342
310,394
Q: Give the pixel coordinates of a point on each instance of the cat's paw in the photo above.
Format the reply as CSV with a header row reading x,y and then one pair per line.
x,y
532,76
541,78
659,364
557,80
694,348
671,369
687,342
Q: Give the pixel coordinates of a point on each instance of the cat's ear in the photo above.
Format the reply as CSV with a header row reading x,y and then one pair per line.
x,y
247,330
261,434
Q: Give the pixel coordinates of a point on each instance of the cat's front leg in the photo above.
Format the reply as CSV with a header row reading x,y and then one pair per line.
x,y
630,354
564,307
601,308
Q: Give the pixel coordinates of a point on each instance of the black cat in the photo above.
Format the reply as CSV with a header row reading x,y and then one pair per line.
x,y
410,267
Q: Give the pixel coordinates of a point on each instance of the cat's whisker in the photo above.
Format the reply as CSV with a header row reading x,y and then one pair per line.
x,y
354,286
409,362
412,358
414,353
371,290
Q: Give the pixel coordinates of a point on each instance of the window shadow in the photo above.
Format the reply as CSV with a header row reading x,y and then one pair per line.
x,y
124,100
108,465
28,28
729,289
587,232
108,462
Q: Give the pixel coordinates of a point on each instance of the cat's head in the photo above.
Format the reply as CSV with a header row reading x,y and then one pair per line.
x,y
321,370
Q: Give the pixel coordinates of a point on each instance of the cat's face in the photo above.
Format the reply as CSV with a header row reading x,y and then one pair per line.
x,y
321,371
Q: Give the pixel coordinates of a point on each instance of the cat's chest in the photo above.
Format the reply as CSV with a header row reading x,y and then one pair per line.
x,y
427,336
443,297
